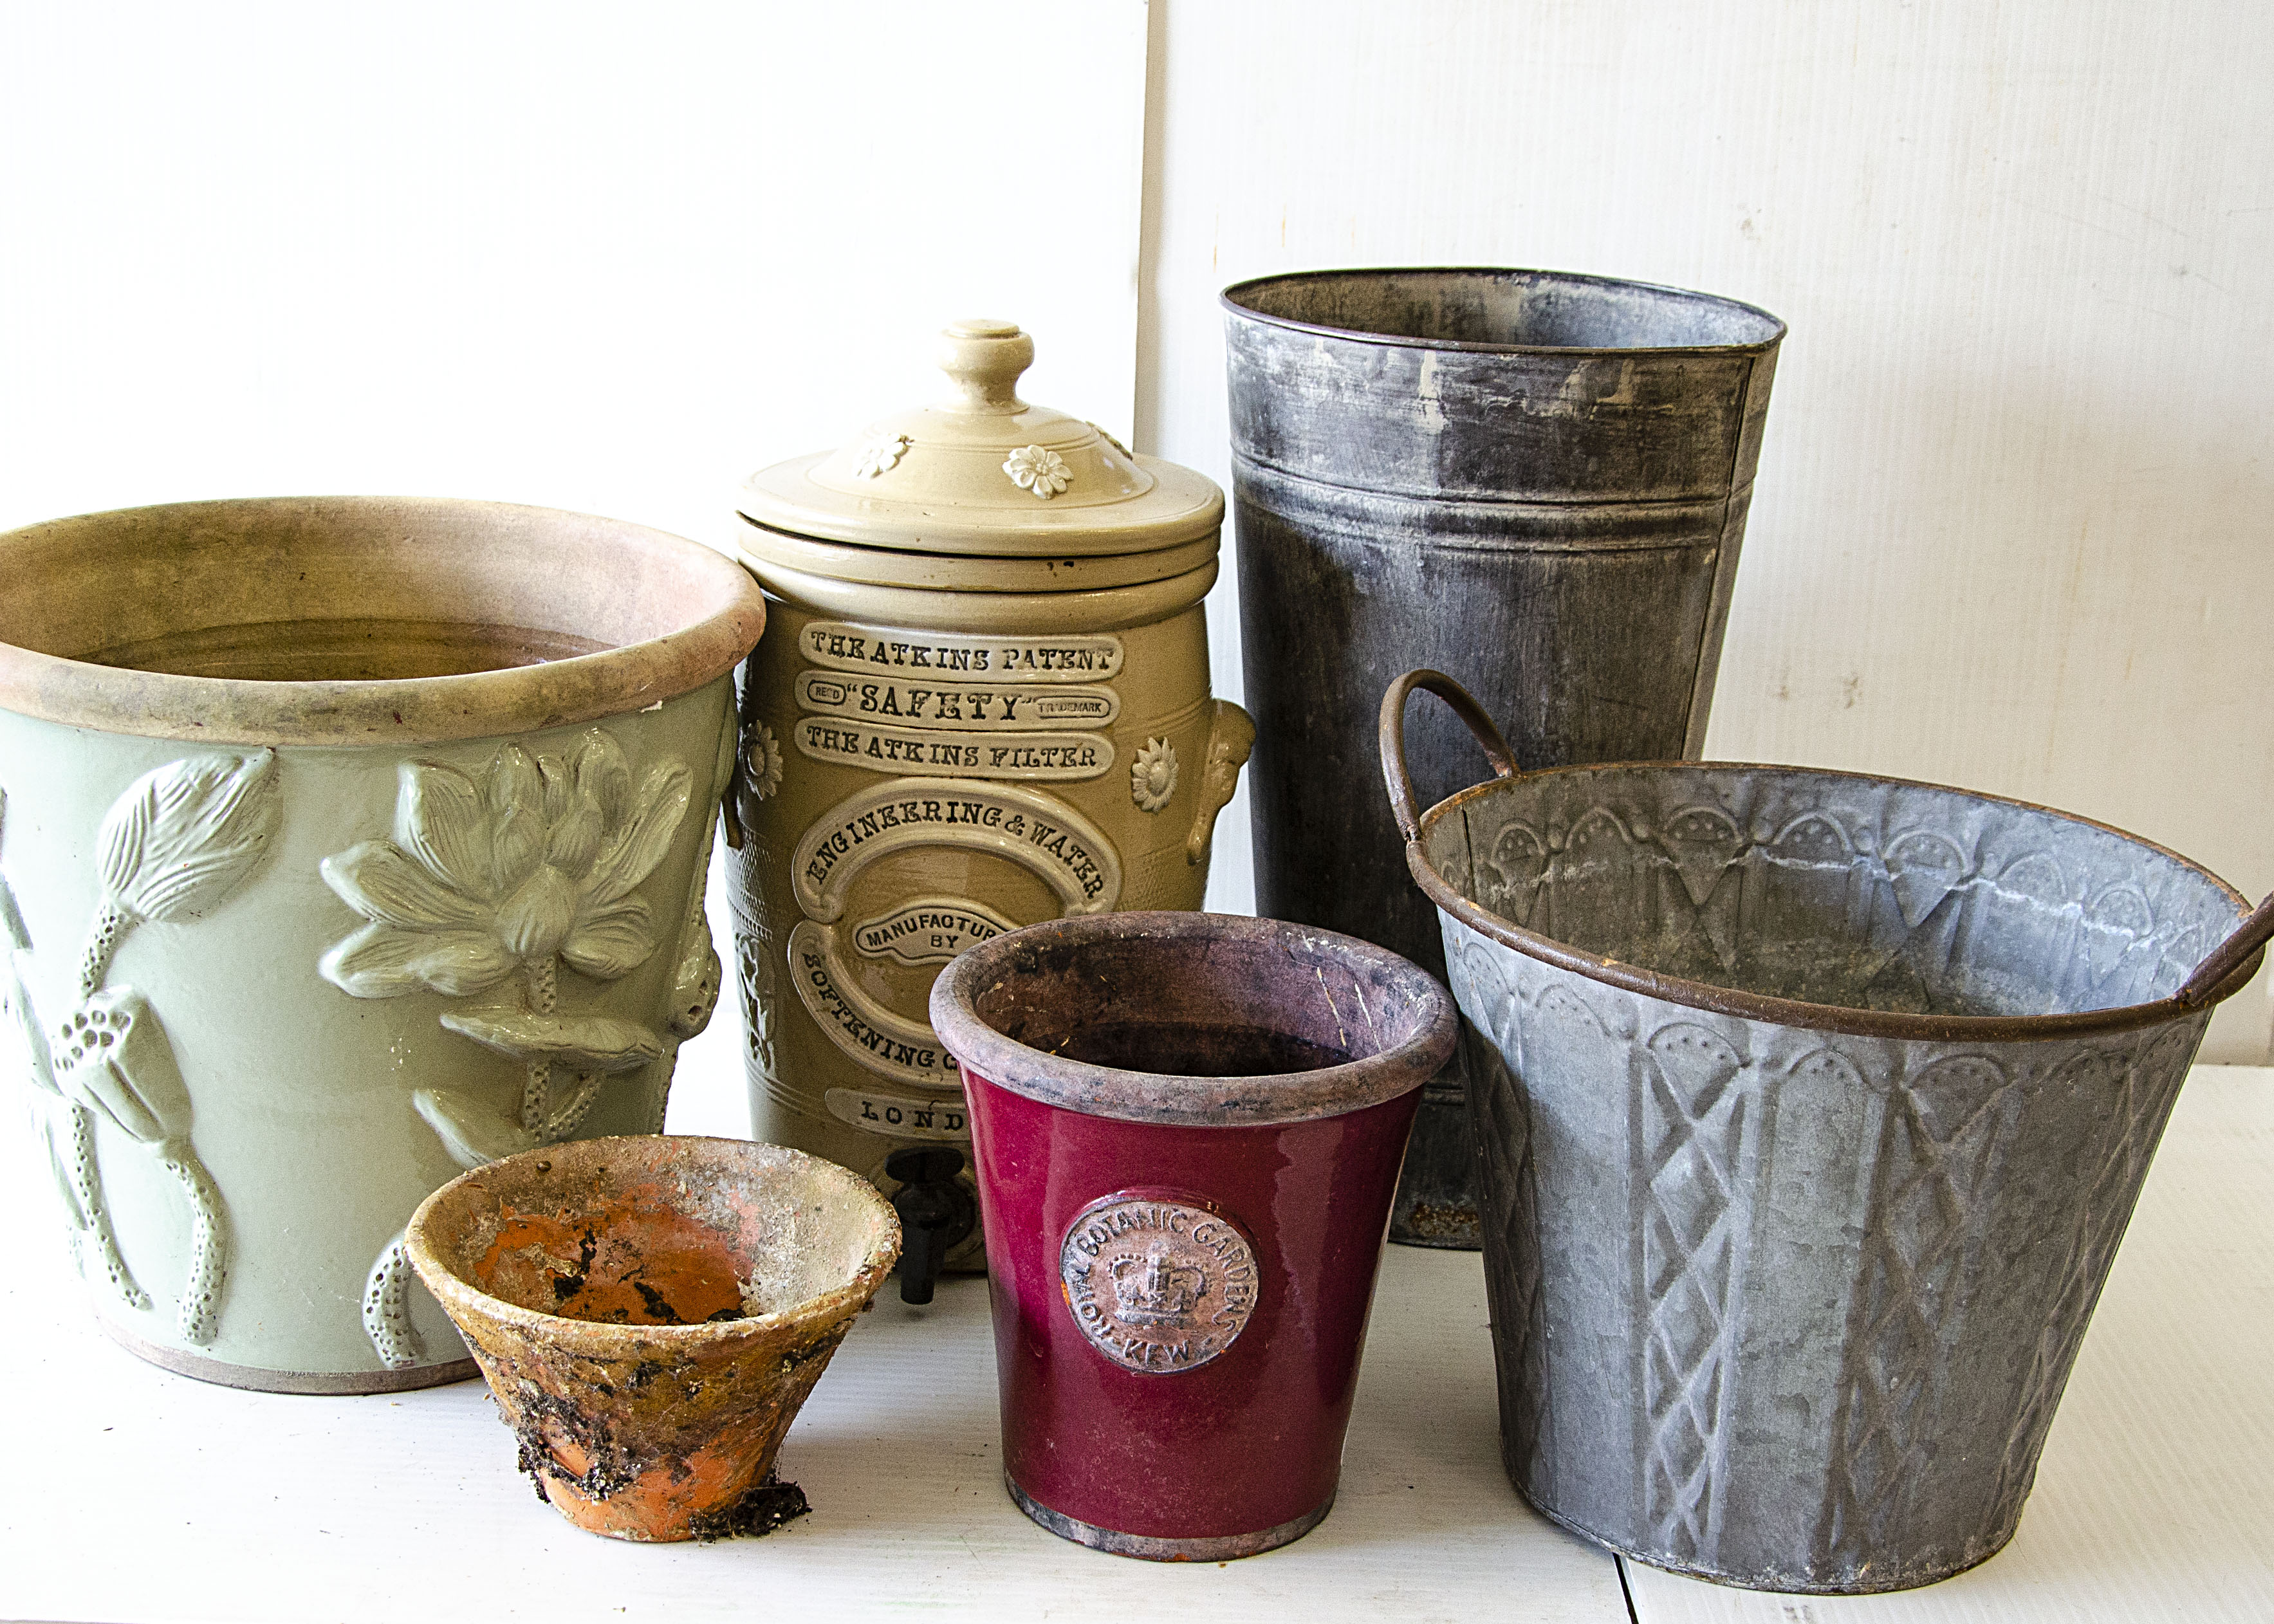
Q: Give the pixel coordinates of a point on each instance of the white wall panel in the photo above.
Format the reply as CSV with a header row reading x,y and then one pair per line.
x,y
2010,531
600,256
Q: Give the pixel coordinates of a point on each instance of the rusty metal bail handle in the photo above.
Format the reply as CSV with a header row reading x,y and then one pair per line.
x,y
1394,773
2223,960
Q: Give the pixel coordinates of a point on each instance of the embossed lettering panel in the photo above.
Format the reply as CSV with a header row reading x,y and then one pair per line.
x,y
1158,1286
929,930
1027,827
881,1038
955,755
840,645
993,707
898,1116
1035,830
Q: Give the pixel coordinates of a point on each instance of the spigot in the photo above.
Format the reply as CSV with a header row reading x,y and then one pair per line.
x,y
936,1212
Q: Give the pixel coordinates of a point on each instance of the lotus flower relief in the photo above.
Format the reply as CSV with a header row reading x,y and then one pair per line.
x,y
534,862
489,883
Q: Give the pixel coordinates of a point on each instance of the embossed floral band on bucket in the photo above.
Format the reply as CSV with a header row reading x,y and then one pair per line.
x,y
347,843
1187,1129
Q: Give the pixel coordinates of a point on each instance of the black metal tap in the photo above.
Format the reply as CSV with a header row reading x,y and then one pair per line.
x,y
936,1212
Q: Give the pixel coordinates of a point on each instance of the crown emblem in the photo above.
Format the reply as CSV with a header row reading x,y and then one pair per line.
x,y
1155,1290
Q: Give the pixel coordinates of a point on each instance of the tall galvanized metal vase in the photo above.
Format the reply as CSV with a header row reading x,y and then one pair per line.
x,y
1813,1107
1535,481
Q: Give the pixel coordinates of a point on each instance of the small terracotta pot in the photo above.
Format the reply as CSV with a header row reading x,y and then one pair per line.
x,y
651,1312
1187,1128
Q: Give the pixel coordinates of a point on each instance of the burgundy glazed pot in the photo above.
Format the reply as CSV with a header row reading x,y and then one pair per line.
x,y
1187,1129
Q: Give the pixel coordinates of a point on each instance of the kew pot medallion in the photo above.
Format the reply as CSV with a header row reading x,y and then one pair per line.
x,y
985,702
1186,1154
650,1314
345,844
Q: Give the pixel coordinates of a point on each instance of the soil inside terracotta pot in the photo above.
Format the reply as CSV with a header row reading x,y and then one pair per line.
x,y
623,1262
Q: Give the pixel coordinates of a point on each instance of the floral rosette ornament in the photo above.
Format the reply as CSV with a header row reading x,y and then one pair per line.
x,y
1153,775
1036,469
881,455
761,759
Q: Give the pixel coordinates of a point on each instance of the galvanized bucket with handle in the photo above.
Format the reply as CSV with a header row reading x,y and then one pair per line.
x,y
1811,1108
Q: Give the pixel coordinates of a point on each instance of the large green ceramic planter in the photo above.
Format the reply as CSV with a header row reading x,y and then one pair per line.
x,y
347,843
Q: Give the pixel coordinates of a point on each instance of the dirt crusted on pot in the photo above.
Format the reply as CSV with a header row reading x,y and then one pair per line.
x,y
651,1313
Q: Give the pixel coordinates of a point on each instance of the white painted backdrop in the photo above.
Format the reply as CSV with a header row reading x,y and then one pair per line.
x,y
2011,526
593,256
2008,531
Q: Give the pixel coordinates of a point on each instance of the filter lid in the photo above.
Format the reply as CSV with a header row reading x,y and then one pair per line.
x,y
983,473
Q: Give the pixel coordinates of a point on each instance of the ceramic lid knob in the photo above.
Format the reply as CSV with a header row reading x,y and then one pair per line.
x,y
985,358
984,474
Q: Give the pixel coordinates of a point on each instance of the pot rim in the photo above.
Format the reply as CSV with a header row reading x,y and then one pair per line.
x,y
510,699
867,564
775,499
1120,1095
987,613
597,1338
1484,347
1771,1010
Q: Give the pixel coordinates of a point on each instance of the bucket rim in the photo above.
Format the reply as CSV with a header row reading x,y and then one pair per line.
x,y
1267,1099
1773,1010
1358,336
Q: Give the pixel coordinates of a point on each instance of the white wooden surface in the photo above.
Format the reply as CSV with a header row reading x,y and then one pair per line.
x,y
135,1496
144,1497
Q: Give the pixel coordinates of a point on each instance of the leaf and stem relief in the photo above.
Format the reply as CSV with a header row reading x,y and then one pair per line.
x,y
172,848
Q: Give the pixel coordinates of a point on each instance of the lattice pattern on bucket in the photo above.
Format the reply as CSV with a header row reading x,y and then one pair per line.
x,y
1833,888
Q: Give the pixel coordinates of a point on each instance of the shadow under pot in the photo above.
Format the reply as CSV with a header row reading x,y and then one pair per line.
x,y
1187,1129
349,842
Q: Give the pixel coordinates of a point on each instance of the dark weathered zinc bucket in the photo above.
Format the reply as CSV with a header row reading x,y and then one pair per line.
x,y
1187,1129
1535,481
1813,1107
